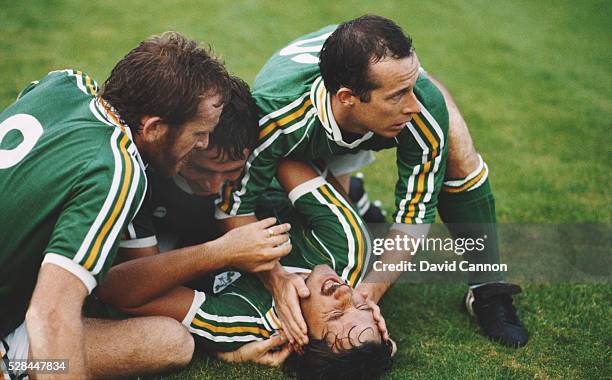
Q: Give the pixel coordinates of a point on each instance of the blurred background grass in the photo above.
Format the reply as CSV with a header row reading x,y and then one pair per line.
x,y
533,80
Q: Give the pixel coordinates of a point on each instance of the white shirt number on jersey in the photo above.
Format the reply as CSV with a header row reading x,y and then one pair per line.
x,y
30,129
302,53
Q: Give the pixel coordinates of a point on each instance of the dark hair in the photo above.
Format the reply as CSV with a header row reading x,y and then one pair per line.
x,y
367,361
164,76
238,126
346,54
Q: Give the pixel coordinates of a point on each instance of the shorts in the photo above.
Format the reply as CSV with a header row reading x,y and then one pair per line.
x,y
347,163
14,346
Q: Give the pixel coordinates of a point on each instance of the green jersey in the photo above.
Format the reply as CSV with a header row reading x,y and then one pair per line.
x,y
297,121
71,178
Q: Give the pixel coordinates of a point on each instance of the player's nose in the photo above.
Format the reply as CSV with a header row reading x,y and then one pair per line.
x,y
411,105
343,292
202,143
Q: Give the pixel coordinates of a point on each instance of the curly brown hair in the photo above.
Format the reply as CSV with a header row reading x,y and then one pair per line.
x,y
165,76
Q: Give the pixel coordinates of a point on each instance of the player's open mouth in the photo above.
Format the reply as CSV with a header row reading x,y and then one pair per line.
x,y
330,285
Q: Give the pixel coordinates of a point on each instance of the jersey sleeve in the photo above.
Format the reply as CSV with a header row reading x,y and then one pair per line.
x,y
282,132
226,322
104,198
421,157
330,232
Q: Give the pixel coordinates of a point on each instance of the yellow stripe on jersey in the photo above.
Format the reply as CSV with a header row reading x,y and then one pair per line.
x,y
231,330
418,195
321,100
89,84
88,81
430,138
119,204
285,120
467,185
358,232
227,192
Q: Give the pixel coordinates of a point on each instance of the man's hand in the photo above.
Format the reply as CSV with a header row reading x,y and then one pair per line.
x,y
255,247
260,352
287,289
378,318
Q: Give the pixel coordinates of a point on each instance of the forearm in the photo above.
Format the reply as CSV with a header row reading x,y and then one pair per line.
x,y
57,338
174,304
268,278
139,281
235,221
402,249
54,321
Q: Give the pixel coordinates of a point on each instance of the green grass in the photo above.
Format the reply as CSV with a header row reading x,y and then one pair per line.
x,y
534,81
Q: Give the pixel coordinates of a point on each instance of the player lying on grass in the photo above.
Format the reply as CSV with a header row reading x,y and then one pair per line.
x,y
348,334
360,86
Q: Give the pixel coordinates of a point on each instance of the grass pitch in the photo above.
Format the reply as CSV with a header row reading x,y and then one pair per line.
x,y
533,80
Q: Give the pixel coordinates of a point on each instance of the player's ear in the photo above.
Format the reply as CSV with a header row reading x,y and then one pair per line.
x,y
152,128
346,97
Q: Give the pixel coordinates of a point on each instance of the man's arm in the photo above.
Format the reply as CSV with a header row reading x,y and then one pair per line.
x,y
55,325
376,284
177,303
251,248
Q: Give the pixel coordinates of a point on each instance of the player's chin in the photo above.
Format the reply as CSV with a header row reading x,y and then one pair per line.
x,y
392,130
390,133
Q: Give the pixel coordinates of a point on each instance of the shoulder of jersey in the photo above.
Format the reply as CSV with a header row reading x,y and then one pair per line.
x,y
292,69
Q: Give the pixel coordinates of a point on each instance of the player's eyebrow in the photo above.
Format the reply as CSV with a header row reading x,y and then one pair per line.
x,y
402,90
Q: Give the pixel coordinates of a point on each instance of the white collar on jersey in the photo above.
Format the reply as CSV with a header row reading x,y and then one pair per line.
x,y
104,112
321,100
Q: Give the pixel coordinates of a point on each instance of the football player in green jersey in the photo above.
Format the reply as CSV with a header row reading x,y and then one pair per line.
x,y
359,86
72,177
